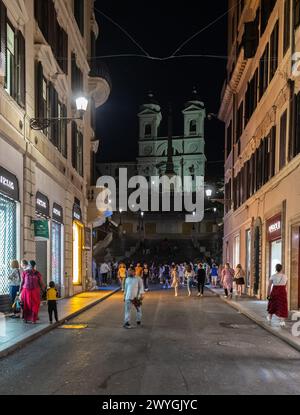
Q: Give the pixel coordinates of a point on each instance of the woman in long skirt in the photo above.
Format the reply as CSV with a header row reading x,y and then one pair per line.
x,y
31,293
227,280
175,279
277,296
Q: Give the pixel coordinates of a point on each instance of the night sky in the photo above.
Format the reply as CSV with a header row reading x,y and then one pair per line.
x,y
160,30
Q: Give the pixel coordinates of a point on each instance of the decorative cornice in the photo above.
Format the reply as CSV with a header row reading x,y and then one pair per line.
x,y
99,89
18,11
44,54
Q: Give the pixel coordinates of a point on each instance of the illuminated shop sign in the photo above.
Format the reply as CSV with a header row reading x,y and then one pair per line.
x,y
274,226
77,215
57,213
42,205
9,184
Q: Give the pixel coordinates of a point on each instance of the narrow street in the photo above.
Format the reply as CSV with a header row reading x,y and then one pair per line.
x,y
186,346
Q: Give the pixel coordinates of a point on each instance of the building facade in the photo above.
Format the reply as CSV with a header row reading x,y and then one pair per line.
x,y
261,109
188,159
45,64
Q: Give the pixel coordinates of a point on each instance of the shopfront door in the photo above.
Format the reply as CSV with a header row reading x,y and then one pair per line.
x,y
9,200
275,255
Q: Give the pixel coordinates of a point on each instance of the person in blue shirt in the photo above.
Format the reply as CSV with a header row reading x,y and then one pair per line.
x,y
214,275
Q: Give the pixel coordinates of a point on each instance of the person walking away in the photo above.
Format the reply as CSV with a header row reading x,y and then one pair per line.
x,y
239,277
201,278
122,273
133,293
14,280
30,293
214,275
277,296
166,276
52,295
161,274
181,274
227,280
104,270
189,275
175,279
146,277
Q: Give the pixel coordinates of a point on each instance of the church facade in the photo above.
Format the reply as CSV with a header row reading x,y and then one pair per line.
x,y
186,153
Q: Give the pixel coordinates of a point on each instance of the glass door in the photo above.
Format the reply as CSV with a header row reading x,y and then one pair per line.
x,y
56,254
8,240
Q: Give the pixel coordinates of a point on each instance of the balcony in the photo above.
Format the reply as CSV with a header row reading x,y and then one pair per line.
x,y
100,84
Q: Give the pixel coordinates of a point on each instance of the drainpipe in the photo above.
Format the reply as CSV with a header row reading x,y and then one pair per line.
x,y
292,93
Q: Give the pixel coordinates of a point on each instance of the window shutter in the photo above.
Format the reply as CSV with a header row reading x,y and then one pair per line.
x,y
74,144
64,133
20,69
39,104
2,39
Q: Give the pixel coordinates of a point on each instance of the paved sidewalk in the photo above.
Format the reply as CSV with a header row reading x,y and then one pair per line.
x,y
14,333
256,310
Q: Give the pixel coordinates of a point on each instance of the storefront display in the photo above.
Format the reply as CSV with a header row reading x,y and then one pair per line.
x,y
9,198
56,245
274,236
78,229
42,210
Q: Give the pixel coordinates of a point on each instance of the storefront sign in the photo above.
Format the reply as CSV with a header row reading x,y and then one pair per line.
x,y
87,239
42,205
41,229
274,226
77,215
57,213
9,185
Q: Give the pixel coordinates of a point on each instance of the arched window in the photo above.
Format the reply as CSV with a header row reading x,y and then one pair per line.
x,y
148,130
193,127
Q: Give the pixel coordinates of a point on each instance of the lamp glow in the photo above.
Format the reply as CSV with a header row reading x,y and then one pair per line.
x,y
81,104
208,192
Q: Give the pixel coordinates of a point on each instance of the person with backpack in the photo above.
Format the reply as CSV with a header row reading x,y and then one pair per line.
x,y
201,278
214,275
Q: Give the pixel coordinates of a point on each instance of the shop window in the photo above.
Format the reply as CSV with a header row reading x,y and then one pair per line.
x,y
8,241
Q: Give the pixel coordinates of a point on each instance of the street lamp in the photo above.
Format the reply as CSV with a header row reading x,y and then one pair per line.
x,y
120,210
43,123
